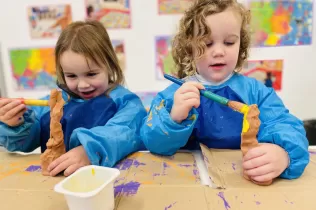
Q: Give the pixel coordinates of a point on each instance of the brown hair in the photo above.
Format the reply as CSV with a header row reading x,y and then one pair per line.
x,y
193,33
91,40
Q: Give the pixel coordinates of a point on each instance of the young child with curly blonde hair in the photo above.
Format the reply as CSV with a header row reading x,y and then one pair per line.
x,y
209,50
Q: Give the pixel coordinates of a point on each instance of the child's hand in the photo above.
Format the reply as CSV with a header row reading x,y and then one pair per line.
x,y
11,112
70,162
186,97
265,162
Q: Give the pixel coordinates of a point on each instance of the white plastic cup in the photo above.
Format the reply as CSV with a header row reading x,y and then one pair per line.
x,y
89,188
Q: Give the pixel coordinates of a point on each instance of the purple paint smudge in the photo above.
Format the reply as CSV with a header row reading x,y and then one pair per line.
x,y
156,174
165,165
129,188
137,163
169,207
33,168
258,203
185,165
196,172
128,163
125,164
221,195
117,180
234,166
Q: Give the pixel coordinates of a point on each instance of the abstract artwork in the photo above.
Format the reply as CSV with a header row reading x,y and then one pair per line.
x,y
33,68
118,46
48,21
281,23
164,59
173,6
113,14
267,71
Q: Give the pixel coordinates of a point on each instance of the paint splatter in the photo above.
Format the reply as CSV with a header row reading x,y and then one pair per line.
x,y
156,174
125,164
258,203
128,163
33,168
185,165
221,195
234,166
170,206
165,166
127,189
137,163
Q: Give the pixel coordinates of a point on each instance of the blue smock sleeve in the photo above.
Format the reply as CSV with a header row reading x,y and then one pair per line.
x,y
160,134
120,136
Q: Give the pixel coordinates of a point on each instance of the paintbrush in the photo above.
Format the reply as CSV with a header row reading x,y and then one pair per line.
x,y
32,102
235,105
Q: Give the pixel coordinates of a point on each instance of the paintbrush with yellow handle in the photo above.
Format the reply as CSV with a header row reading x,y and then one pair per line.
x,y
32,102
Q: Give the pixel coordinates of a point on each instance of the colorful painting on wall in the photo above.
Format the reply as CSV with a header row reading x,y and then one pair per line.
x,y
173,6
33,69
113,14
267,71
146,98
118,46
48,21
164,60
281,23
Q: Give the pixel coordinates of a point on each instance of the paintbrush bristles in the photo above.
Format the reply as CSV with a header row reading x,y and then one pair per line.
x,y
235,105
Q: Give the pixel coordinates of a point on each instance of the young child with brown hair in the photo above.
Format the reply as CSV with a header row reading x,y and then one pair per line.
x,y
101,119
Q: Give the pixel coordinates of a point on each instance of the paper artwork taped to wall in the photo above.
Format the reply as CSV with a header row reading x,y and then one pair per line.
x,y
33,68
267,71
119,49
281,23
48,21
164,60
113,14
173,6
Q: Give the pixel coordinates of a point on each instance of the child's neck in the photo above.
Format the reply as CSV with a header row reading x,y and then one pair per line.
x,y
207,82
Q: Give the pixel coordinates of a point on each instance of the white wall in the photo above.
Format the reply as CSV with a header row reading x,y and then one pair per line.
x,y
298,92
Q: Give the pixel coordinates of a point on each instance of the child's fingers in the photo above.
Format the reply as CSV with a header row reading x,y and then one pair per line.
x,y
189,95
259,171
196,84
193,102
255,162
191,87
60,167
264,178
14,112
4,102
254,153
58,161
8,106
71,169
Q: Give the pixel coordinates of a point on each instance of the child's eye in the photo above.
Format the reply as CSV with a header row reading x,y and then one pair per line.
x,y
209,44
91,74
229,43
71,76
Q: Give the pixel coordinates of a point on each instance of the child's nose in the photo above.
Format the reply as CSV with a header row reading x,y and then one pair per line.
x,y
218,51
83,84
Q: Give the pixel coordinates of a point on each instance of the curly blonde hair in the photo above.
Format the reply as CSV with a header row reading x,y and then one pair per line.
x,y
91,40
189,40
